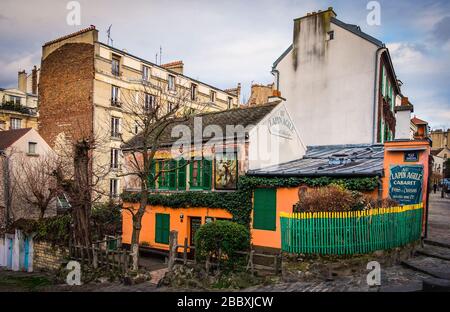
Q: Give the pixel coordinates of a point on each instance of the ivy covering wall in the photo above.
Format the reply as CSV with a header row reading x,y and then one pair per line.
x,y
239,203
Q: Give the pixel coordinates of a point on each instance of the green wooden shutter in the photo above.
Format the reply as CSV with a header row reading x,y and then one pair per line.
x,y
265,209
182,174
162,228
206,174
172,175
151,175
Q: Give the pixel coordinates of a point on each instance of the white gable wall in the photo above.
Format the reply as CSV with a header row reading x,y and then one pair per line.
x,y
330,95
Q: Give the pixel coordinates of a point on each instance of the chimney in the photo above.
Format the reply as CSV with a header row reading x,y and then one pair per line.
x,y
403,119
176,66
34,80
22,81
314,26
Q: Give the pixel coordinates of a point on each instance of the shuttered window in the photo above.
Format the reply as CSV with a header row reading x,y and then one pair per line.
x,y
162,228
264,209
182,174
172,175
200,174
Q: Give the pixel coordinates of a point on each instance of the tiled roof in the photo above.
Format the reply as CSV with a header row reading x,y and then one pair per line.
x,y
238,116
92,27
331,160
7,138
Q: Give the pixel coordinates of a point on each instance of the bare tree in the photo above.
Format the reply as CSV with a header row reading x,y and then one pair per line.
x,y
36,184
151,110
79,178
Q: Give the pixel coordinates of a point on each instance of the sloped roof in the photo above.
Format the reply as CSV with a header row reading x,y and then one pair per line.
x,y
331,160
8,137
418,121
238,116
436,151
357,31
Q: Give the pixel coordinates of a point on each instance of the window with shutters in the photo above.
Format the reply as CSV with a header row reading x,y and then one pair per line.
x,y
181,173
265,209
162,228
163,181
200,174
151,176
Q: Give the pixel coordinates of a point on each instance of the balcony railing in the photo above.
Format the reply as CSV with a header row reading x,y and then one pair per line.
x,y
11,106
116,103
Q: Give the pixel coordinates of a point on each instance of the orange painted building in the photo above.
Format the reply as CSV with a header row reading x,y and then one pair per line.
x,y
183,220
340,161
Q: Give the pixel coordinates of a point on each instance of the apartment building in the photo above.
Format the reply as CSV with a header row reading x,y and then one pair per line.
x,y
18,106
85,84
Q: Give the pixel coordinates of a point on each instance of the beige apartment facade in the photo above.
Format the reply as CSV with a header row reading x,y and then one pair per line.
x,y
18,106
88,87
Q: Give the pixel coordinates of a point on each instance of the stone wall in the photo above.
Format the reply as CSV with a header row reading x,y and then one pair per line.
x,y
48,256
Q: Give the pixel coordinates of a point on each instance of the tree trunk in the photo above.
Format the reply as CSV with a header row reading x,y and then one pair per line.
x,y
81,212
137,225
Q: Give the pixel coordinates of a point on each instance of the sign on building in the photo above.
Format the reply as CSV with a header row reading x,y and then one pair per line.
x,y
405,184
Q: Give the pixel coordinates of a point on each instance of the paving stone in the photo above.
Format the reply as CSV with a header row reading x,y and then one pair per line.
x,y
432,266
436,284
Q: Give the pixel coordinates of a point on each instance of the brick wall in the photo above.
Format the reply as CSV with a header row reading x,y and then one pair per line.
x,y
66,90
48,256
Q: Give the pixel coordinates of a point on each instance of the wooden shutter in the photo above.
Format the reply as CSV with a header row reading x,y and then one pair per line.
x,y
162,228
172,174
206,174
182,174
265,209
151,175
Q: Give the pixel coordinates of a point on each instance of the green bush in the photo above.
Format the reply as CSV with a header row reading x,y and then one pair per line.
x,y
224,238
106,220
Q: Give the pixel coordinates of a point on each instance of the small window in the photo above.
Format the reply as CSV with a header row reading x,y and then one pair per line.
x,y
114,158
212,96
170,107
14,100
32,148
136,127
115,65
171,83
193,92
200,174
230,102
149,101
146,73
15,123
115,97
330,35
115,127
113,188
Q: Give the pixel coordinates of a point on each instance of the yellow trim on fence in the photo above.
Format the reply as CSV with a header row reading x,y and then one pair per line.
x,y
350,214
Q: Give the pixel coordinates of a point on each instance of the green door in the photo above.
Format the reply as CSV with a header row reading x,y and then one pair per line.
x,y
265,209
162,228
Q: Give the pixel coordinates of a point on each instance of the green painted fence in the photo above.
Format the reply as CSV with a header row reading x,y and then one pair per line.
x,y
352,232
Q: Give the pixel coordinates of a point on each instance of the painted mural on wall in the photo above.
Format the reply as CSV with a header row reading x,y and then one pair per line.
x,y
226,172
405,184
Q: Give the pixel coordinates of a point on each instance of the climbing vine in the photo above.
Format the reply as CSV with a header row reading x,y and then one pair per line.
x,y
239,203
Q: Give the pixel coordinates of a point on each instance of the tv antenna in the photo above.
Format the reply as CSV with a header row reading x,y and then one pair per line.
x,y
109,35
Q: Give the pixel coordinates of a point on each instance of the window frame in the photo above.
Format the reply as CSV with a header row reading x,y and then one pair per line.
x,y
115,96
115,158
212,96
194,88
115,70
115,127
13,121
29,150
162,223
113,188
146,73
171,84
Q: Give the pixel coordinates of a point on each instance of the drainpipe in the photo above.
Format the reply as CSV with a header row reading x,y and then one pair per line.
x,y
375,93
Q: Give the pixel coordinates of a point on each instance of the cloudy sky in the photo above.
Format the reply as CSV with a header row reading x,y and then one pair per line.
x,y
225,42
